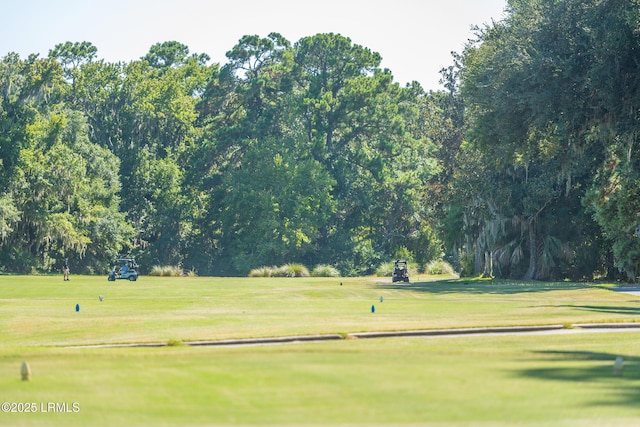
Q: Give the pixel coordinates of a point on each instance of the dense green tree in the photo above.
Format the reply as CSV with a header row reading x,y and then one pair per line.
x,y
144,113
305,153
242,110
59,196
26,87
72,55
546,91
162,208
273,206
523,133
66,193
167,54
325,110
358,125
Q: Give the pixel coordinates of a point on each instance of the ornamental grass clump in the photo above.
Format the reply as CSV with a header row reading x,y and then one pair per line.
x,y
439,266
263,271
286,270
385,269
293,270
325,270
166,271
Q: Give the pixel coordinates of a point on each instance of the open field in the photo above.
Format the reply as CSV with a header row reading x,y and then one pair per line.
x,y
492,380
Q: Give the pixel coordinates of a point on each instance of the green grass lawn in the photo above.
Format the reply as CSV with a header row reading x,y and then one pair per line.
x,y
494,380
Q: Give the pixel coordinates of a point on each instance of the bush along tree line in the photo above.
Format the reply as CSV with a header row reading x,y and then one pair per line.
x,y
523,166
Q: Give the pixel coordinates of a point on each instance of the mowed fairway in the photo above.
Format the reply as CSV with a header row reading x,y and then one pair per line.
x,y
559,379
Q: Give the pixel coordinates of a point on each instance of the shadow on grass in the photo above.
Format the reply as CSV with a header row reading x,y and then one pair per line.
x,y
586,368
478,286
631,311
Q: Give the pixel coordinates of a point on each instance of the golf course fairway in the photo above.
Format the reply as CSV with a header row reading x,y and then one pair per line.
x,y
559,378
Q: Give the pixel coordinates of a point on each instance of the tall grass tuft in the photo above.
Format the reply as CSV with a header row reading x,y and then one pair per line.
x,y
439,266
263,272
325,270
166,270
286,270
293,270
385,269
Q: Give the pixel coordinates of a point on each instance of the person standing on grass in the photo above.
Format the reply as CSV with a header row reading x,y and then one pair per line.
x,y
65,269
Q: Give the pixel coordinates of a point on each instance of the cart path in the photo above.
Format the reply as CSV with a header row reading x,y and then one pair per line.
x,y
433,333
507,330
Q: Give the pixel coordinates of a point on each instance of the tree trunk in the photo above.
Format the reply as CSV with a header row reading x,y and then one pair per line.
x,y
478,264
488,265
533,251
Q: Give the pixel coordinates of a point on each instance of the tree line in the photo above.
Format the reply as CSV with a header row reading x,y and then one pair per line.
x,y
552,99
523,166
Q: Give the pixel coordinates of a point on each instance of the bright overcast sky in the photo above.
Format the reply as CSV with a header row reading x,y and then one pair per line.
x,y
414,37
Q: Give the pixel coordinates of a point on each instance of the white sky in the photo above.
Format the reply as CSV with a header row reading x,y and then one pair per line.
x,y
414,37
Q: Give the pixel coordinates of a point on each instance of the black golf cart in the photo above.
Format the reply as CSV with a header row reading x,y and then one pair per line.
x,y
400,271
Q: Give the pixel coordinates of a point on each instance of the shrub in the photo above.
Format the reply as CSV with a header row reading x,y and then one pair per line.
x,y
286,270
165,270
466,266
439,267
293,270
325,270
263,272
385,269
156,270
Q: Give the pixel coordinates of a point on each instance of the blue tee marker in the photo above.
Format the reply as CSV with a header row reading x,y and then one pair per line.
x,y
373,308
77,307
